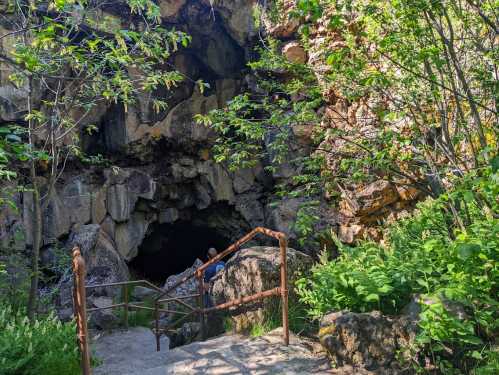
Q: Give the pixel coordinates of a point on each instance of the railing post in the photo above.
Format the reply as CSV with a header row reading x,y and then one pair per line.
x,y
125,306
80,309
201,304
284,289
157,333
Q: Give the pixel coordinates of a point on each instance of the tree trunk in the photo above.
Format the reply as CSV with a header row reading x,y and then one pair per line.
x,y
37,225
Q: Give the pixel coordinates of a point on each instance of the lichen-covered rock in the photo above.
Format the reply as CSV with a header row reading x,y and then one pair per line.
x,y
286,25
251,209
219,180
254,270
294,52
369,199
130,234
118,203
170,8
103,263
368,341
102,319
237,16
185,289
189,332
350,233
77,200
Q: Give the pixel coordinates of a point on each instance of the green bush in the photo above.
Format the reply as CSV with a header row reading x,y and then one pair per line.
x,y
429,255
46,346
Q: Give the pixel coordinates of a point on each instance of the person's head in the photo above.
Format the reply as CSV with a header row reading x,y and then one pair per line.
x,y
212,253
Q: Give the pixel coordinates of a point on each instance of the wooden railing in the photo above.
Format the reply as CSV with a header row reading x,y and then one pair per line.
x,y
80,309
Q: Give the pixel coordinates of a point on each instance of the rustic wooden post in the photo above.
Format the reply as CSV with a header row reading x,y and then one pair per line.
x,y
284,288
80,309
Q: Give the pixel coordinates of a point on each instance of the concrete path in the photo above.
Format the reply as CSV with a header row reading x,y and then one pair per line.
x,y
133,353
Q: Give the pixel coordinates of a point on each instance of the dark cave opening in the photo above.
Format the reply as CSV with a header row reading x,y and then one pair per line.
x,y
171,248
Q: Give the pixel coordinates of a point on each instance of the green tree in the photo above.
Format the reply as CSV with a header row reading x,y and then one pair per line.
x,y
422,73
78,55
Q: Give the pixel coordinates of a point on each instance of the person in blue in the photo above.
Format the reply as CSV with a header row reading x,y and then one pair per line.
x,y
209,273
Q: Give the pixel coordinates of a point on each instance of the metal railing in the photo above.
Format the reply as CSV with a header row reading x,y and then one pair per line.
x,y
281,290
80,309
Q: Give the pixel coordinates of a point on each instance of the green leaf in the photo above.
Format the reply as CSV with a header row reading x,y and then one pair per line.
x,y
372,297
476,355
494,163
467,249
13,138
422,282
468,196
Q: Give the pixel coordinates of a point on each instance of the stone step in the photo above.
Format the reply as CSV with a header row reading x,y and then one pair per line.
x,y
228,354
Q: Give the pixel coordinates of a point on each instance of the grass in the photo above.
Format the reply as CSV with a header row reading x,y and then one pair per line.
x,y
299,322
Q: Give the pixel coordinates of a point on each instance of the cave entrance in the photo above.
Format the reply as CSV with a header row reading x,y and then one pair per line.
x,y
169,249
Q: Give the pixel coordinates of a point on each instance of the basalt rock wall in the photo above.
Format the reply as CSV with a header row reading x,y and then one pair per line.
x,y
160,168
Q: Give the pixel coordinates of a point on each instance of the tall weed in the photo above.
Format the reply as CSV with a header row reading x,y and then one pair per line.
x,y
46,346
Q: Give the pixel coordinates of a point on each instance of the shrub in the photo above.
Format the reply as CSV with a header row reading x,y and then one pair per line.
x,y
426,256
45,347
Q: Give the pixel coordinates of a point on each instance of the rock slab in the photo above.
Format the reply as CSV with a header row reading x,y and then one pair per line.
x,y
254,270
133,353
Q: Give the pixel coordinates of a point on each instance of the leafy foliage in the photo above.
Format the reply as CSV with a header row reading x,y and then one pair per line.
x,y
46,346
409,87
299,320
73,57
258,125
453,272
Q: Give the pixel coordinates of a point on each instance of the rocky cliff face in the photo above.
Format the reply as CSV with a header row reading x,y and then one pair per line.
x,y
160,170
362,207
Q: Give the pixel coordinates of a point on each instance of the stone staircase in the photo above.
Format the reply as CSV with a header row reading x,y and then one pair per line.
x,y
133,352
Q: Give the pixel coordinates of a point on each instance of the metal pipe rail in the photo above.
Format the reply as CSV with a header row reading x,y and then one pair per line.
x,y
282,290
80,311
80,308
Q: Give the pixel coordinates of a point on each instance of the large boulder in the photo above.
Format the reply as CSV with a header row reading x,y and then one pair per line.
x,y
250,208
77,199
219,180
185,289
170,8
237,15
180,125
118,202
189,332
130,234
104,264
13,103
285,26
294,52
254,270
369,199
369,341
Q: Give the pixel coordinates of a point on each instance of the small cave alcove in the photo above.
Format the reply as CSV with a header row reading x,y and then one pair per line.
x,y
169,249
